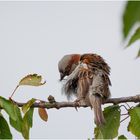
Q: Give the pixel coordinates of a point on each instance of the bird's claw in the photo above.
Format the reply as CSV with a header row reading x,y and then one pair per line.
x,y
80,102
76,108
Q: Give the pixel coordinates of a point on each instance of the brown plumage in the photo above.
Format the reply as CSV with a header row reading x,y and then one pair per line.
x,y
88,79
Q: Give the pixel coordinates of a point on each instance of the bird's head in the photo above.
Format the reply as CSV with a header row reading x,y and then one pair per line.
x,y
67,64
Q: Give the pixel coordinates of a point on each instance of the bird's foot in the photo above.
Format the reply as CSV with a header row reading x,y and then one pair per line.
x,y
80,101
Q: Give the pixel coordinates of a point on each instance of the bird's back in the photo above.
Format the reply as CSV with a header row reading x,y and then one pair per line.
x,y
90,65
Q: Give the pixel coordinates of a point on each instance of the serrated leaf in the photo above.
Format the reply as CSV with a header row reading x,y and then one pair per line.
x,y
17,124
8,106
122,137
5,132
28,105
32,80
135,37
134,124
27,123
131,16
43,114
110,129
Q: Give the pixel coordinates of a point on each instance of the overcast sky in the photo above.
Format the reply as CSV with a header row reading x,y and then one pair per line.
x,y
33,38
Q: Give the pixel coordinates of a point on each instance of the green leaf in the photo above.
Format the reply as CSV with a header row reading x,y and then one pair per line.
x,y
8,106
135,37
134,124
32,80
122,137
131,16
28,105
27,123
138,54
110,129
17,124
43,114
5,132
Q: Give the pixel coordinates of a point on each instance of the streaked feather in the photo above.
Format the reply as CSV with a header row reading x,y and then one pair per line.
x,y
90,81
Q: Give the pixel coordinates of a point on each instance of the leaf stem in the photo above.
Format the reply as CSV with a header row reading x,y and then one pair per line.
x,y
14,91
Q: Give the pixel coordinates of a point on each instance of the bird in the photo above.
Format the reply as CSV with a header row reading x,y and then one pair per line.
x,y
87,77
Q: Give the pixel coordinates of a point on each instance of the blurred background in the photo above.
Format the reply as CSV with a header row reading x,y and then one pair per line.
x,y
33,38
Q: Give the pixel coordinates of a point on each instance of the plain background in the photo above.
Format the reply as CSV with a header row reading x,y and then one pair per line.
x,y
33,38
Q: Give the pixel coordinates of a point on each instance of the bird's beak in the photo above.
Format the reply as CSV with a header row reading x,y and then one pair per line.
x,y
62,76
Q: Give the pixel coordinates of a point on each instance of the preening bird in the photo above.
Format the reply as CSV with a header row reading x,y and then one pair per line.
x,y
87,79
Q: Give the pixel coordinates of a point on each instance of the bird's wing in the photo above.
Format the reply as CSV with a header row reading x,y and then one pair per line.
x,y
78,81
95,63
96,81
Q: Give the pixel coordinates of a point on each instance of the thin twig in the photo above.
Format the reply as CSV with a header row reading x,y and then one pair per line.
x,y
124,107
124,114
124,119
59,105
128,105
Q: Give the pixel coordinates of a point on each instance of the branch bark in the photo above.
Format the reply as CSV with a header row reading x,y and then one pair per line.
x,y
58,105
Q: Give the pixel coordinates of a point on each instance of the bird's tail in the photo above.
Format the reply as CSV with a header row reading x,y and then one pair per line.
x,y
96,101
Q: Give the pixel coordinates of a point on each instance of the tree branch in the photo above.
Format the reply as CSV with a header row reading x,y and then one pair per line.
x,y
58,105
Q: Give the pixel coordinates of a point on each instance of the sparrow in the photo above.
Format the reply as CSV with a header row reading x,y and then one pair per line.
x,y
87,79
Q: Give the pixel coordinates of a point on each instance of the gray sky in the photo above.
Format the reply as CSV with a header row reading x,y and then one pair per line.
x,y
35,35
